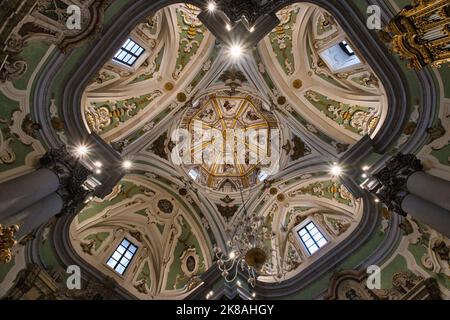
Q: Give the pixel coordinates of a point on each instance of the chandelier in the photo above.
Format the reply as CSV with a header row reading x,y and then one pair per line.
x,y
247,251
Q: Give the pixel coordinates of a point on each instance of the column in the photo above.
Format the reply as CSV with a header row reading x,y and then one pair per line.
x,y
34,198
405,189
430,188
39,213
427,213
19,193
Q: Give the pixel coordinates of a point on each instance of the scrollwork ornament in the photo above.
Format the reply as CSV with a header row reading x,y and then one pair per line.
x,y
7,155
14,43
12,70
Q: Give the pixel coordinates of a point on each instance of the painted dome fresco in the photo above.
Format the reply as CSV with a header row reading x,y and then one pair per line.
x,y
220,127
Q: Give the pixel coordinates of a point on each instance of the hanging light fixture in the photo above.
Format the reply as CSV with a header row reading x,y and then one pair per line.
x,y
247,251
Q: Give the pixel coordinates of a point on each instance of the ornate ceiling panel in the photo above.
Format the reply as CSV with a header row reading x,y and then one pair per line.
x,y
173,250
173,39
289,205
305,88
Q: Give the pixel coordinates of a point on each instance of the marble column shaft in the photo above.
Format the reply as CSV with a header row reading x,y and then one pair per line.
x,y
38,213
430,188
24,191
428,213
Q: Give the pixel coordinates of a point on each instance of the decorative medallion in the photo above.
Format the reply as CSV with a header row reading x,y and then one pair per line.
x,y
300,149
281,100
227,212
137,235
233,78
158,147
181,97
281,197
165,206
190,262
227,199
297,84
299,219
168,86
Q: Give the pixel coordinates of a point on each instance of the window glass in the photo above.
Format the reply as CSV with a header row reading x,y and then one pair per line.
x,y
128,53
311,237
124,253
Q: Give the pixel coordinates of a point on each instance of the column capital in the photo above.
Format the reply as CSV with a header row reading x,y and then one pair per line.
x,y
392,198
398,169
391,189
72,175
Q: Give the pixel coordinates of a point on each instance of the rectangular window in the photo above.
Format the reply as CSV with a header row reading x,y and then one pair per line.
x,y
121,258
263,176
193,174
312,238
340,57
129,53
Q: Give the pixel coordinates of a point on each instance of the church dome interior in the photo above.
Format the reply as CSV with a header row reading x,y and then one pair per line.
x,y
225,150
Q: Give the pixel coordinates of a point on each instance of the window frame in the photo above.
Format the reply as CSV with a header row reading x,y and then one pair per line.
x,y
122,255
345,46
301,241
127,51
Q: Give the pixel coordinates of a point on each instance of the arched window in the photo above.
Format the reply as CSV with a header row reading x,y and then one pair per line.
x,y
228,186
